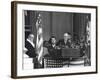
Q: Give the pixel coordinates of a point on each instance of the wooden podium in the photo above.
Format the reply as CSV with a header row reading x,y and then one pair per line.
x,y
70,52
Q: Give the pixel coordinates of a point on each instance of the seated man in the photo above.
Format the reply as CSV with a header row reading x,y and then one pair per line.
x,y
65,42
53,49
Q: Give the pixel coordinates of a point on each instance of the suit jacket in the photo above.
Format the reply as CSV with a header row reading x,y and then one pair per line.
x,y
54,52
62,44
31,50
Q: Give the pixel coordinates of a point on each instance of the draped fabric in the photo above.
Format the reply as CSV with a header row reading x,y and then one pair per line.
x,y
88,30
39,40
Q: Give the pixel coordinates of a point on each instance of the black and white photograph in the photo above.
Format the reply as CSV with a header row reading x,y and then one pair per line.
x,y
55,39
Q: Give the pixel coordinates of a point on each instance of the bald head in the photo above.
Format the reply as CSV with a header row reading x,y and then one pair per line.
x,y
66,36
31,37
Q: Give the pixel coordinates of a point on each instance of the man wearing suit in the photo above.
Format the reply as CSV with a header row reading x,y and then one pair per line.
x,y
66,42
30,46
53,49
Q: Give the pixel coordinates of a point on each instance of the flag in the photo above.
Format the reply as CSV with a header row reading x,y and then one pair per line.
x,y
88,30
39,39
88,37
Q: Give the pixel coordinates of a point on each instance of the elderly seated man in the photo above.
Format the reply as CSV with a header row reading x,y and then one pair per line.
x,y
65,42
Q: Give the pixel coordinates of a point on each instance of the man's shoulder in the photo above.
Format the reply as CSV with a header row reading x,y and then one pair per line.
x,y
27,44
